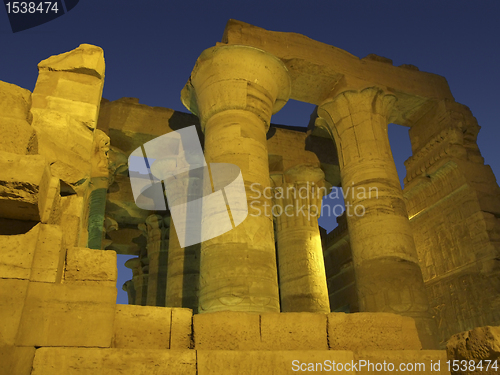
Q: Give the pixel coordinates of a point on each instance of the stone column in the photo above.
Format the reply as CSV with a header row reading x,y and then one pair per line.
x,y
157,247
297,197
128,287
140,275
183,273
297,207
184,262
388,277
235,90
99,183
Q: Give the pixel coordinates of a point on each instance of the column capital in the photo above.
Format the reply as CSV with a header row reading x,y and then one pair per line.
x,y
349,103
299,174
305,173
358,122
237,77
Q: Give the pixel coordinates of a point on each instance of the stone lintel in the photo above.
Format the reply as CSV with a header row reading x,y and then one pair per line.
x,y
317,69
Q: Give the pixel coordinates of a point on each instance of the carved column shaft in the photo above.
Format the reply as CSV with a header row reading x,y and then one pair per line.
x,y
183,273
300,254
184,262
128,287
99,186
388,277
157,247
235,90
139,280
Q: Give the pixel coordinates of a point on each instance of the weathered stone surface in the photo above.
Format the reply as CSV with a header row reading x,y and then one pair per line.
x,y
271,362
25,183
372,331
427,362
48,261
17,136
294,331
15,102
12,296
86,59
126,118
91,267
66,144
67,315
17,253
83,361
70,85
453,203
71,213
455,241
226,331
142,327
16,360
65,106
50,208
63,130
181,334
481,343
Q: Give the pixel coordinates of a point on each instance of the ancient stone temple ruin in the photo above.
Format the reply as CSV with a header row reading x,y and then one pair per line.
x,y
416,273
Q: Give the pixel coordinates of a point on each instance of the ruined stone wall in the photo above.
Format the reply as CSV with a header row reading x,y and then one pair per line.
x,y
453,202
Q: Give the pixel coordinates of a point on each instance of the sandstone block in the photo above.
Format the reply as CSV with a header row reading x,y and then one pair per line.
x,y
66,165
84,361
481,343
12,296
16,360
57,127
48,261
84,113
15,101
181,334
237,362
226,330
86,59
142,327
372,331
429,362
25,183
69,85
90,267
294,331
16,135
50,207
67,315
71,211
17,253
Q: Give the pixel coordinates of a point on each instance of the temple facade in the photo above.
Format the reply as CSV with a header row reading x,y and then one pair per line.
x,y
406,274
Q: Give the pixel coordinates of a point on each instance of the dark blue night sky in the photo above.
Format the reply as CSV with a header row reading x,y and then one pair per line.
x,y
151,47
